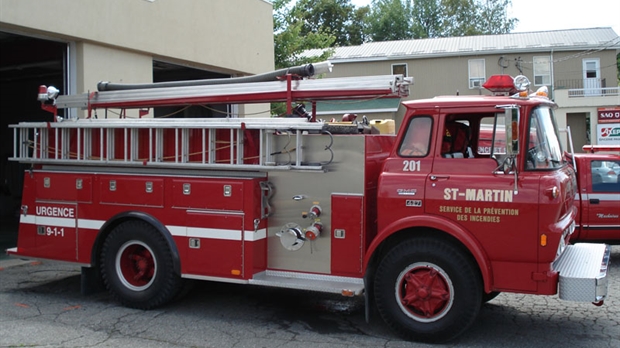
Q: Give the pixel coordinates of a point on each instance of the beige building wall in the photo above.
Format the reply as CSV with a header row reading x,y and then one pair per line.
x,y
587,106
446,75
96,63
569,66
117,40
230,35
435,76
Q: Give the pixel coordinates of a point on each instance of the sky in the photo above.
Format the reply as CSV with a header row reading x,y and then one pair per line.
x,y
543,15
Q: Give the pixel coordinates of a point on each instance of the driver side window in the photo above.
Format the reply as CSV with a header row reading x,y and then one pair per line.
x,y
417,139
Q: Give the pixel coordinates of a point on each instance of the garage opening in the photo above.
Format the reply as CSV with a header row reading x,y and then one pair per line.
x,y
25,63
166,72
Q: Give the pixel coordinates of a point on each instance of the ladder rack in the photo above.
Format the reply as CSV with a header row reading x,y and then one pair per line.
x,y
217,143
168,143
363,87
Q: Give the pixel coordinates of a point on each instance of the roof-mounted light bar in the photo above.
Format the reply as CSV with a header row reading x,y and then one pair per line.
x,y
505,84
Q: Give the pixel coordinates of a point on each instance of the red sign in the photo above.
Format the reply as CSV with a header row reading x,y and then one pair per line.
x,y
609,115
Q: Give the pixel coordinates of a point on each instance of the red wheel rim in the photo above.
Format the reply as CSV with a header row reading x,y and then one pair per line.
x,y
424,292
136,265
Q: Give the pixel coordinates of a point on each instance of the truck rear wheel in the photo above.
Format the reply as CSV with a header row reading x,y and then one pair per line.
x,y
137,266
428,290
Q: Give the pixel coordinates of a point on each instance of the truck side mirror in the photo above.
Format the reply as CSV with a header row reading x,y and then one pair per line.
x,y
511,120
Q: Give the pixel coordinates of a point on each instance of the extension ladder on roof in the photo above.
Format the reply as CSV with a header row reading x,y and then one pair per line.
x,y
224,143
166,143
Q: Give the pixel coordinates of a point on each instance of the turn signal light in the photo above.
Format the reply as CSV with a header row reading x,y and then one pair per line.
x,y
542,92
543,240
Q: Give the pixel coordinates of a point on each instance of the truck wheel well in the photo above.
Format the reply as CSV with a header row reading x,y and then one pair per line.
x,y
118,219
413,233
102,235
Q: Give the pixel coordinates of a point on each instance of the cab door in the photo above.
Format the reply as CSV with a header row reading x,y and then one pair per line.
x,y
602,200
402,181
481,201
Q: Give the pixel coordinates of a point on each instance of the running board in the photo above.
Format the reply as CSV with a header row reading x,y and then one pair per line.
x,y
345,286
583,272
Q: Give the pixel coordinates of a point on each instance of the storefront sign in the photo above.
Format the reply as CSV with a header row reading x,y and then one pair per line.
x,y
608,134
609,115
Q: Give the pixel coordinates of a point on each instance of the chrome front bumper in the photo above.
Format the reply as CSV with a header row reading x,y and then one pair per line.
x,y
583,272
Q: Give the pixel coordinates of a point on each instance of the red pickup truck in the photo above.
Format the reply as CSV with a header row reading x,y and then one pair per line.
x,y
598,195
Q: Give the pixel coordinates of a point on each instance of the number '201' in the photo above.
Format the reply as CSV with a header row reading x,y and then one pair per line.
x,y
411,166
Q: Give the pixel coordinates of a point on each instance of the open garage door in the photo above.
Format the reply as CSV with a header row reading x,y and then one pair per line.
x,y
25,63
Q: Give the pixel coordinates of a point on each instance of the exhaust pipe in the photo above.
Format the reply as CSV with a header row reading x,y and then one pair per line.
x,y
306,70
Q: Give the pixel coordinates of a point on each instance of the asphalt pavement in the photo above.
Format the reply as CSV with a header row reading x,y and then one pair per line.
x,y
41,306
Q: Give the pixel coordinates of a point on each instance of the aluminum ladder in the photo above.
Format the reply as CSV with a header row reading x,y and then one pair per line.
x,y
166,143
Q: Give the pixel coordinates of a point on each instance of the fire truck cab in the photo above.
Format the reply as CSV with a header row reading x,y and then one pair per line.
x,y
424,224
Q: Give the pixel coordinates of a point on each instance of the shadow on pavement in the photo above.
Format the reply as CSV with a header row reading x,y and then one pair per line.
x,y
8,234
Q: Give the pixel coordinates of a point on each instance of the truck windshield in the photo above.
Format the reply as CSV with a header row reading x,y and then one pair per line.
x,y
544,148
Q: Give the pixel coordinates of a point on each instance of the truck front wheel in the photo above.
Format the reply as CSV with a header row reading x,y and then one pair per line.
x,y
428,290
137,266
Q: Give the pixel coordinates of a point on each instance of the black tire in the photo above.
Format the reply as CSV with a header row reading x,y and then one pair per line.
x,y
424,315
137,267
488,297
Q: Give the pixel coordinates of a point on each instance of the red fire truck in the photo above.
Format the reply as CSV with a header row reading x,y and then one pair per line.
x,y
598,198
420,224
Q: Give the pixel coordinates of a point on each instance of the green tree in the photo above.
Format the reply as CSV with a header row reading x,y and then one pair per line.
x,y
303,25
426,16
473,17
358,29
460,18
290,41
390,20
415,19
494,17
336,17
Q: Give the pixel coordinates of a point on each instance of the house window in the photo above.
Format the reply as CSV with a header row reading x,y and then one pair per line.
x,y
476,73
399,69
542,71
